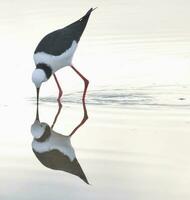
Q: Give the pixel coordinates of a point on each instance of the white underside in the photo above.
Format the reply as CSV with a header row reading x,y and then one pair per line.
x,y
56,62
56,141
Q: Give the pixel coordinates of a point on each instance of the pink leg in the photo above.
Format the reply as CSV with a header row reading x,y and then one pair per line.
x,y
85,117
86,82
59,87
56,116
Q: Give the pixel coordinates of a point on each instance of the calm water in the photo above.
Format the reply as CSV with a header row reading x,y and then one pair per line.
x,y
135,144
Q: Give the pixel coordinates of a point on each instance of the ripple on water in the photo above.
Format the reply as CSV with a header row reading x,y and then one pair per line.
x,y
168,96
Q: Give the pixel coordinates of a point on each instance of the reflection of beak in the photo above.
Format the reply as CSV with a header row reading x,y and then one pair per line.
x,y
37,114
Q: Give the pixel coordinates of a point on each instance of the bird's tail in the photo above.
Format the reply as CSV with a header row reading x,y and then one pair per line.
x,y
89,12
80,25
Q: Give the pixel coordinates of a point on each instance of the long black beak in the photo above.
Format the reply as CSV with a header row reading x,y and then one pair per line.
x,y
37,113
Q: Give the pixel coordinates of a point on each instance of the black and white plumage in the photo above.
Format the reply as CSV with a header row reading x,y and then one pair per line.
x,y
56,51
61,40
54,150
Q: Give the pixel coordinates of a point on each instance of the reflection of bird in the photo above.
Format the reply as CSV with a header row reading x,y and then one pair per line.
x,y
56,50
54,150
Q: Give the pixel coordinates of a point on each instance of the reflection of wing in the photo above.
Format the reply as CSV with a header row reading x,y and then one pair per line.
x,y
55,159
56,152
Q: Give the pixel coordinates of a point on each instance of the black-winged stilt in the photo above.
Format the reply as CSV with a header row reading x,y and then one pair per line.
x,y
56,51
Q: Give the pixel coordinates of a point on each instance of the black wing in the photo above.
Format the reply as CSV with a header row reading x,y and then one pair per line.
x,y
59,41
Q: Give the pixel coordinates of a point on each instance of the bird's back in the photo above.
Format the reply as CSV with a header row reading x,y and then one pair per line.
x,y
59,41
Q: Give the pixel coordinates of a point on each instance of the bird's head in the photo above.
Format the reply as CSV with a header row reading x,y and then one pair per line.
x,y
38,77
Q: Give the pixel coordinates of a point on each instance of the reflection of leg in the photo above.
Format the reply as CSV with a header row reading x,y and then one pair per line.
x,y
85,117
58,100
56,116
86,82
59,87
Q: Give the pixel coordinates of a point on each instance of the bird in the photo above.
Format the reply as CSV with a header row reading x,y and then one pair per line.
x,y
56,51
55,150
